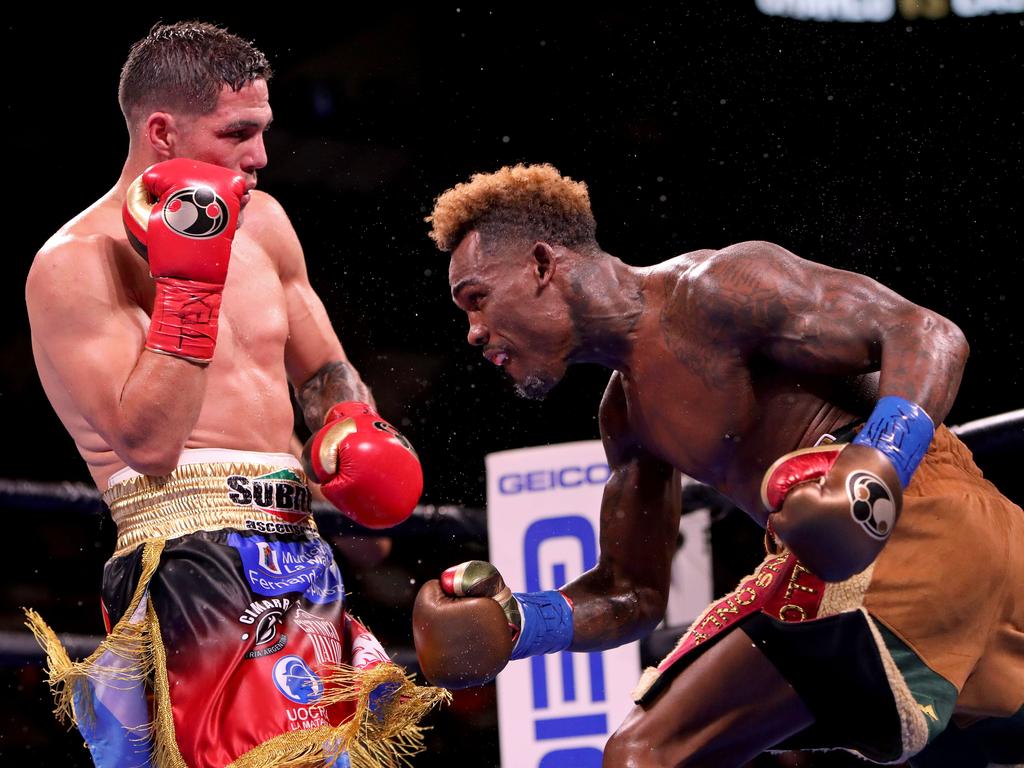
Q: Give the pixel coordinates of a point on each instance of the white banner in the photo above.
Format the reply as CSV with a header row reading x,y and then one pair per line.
x,y
543,511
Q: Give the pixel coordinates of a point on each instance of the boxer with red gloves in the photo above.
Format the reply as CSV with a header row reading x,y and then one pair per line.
x,y
169,337
882,608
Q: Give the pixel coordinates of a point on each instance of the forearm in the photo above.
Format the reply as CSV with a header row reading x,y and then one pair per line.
x,y
608,612
336,382
157,411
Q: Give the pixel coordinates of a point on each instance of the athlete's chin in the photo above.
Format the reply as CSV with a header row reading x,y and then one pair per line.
x,y
534,387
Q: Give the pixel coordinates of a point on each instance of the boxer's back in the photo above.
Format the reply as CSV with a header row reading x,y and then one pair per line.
x,y
89,262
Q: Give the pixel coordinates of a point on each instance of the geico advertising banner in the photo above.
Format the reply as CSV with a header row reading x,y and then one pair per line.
x,y
543,507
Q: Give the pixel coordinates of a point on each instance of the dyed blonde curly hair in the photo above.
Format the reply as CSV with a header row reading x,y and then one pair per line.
x,y
515,202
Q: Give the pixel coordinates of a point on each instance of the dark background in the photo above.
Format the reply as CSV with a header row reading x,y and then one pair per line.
x,y
893,149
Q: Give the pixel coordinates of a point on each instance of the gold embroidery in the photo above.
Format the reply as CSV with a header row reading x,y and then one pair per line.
x,y
802,614
750,590
797,570
765,579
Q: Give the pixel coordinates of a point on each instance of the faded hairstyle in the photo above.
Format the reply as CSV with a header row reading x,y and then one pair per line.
x,y
520,202
182,67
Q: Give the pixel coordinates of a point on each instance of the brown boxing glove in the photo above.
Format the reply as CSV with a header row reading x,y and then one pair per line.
x,y
833,506
464,641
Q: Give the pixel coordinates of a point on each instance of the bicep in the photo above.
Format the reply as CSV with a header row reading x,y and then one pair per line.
x,y
312,342
88,336
640,513
641,504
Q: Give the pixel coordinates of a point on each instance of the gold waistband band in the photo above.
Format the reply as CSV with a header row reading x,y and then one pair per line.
x,y
209,497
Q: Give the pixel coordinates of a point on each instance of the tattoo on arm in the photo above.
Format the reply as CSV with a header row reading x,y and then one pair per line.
x,y
334,383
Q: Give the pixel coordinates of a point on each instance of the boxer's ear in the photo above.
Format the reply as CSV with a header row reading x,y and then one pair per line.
x,y
161,133
543,263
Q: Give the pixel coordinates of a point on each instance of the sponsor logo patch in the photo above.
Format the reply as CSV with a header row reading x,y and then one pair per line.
x,y
263,526
300,718
281,493
323,634
262,619
296,681
871,504
275,568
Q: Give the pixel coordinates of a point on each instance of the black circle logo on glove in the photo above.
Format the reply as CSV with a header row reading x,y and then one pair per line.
x,y
871,504
383,426
196,212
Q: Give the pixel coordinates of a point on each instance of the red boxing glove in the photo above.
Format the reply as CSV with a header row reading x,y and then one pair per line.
x,y
186,237
365,467
793,469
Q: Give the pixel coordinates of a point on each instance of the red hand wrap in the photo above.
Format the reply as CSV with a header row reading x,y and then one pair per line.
x,y
184,320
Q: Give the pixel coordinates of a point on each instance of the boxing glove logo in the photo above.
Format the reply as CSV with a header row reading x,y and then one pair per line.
x,y
196,212
383,426
871,504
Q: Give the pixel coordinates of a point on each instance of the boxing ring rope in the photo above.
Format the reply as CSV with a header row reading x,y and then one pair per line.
x,y
989,438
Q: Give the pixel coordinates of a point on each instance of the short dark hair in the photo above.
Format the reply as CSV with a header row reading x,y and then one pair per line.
x,y
183,66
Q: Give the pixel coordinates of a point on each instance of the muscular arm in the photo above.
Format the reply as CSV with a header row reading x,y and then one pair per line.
x,y
316,363
90,333
624,596
814,318
765,301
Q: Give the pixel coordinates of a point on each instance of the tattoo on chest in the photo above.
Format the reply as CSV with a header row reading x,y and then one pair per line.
x,y
681,334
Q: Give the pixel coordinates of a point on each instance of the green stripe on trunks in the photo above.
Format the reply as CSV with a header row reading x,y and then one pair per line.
x,y
934,694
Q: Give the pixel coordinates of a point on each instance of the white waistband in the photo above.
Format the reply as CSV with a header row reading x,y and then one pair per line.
x,y
216,455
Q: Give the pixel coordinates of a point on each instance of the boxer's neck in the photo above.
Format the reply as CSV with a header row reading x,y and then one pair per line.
x,y
136,162
606,301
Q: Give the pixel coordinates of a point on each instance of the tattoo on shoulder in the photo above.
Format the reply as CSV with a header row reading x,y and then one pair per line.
x,y
336,382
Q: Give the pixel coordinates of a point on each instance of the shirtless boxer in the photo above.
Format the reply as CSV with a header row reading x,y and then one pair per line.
x,y
166,335
806,394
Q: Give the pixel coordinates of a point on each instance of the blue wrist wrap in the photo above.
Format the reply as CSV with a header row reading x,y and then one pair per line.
x,y
547,623
901,430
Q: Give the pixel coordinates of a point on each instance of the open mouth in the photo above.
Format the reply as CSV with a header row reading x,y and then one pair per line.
x,y
497,356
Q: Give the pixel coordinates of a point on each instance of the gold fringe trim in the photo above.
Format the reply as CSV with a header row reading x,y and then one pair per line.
x,y
130,641
387,738
165,742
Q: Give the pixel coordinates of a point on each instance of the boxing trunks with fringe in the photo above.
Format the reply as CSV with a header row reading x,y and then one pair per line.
x,y
230,644
932,631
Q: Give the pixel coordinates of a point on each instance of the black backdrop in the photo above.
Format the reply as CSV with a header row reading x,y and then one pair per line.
x,y
892,149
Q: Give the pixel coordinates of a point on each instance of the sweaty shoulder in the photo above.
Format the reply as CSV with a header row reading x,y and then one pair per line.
x,y
704,274
88,255
715,290
265,221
